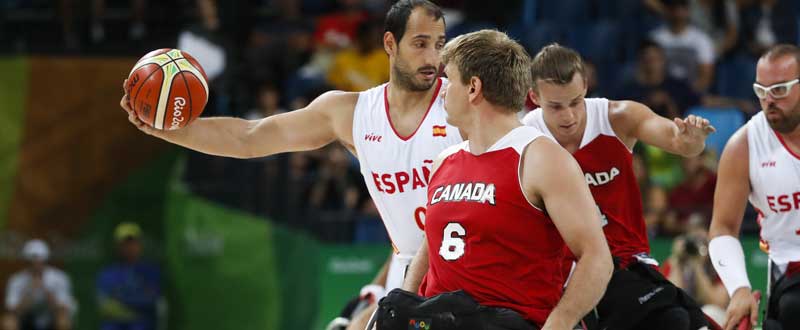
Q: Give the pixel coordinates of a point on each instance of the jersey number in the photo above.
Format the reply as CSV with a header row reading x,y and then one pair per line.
x,y
453,242
419,217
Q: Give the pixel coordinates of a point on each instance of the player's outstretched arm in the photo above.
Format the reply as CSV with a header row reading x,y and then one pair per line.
x,y
635,121
727,256
326,119
553,179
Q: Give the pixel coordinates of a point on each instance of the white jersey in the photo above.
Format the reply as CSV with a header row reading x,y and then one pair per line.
x,y
775,190
396,168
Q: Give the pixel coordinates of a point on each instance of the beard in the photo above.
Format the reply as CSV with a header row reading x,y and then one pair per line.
x,y
405,77
786,123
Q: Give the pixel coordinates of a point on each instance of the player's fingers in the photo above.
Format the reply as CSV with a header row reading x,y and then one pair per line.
x,y
125,86
125,103
731,320
699,122
710,129
691,120
754,313
681,125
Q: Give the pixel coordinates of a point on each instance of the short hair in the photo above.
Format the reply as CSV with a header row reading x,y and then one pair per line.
x,y
397,17
556,64
647,44
499,62
675,3
781,50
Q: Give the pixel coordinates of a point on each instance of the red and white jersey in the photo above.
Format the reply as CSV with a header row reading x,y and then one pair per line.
x,y
484,236
775,190
396,168
607,164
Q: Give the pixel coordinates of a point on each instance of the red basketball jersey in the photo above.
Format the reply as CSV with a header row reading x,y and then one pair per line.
x,y
607,164
485,238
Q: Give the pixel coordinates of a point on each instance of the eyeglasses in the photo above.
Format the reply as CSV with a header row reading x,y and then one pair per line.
x,y
777,91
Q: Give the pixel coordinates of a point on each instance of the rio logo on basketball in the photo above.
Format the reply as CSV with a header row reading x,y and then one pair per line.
x,y
419,324
177,115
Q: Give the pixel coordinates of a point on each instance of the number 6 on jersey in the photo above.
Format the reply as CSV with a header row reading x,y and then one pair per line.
x,y
453,242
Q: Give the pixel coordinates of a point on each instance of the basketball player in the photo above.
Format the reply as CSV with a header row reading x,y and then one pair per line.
x,y
396,129
761,162
601,134
504,206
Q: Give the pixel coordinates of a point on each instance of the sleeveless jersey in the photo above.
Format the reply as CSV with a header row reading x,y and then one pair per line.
x,y
775,190
485,238
396,168
607,164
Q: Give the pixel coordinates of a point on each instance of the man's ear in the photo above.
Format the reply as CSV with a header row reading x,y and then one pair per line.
x,y
389,43
533,96
475,88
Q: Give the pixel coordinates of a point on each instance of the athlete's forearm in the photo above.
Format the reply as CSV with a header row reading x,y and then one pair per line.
x,y
417,269
585,288
219,136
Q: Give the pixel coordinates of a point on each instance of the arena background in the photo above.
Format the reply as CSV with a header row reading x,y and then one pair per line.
x,y
72,167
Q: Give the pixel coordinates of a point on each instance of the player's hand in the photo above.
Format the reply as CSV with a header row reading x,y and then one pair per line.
x,y
694,128
125,103
742,305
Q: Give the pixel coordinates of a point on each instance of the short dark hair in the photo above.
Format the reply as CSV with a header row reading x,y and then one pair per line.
x,y
647,44
556,64
781,50
499,62
675,3
397,17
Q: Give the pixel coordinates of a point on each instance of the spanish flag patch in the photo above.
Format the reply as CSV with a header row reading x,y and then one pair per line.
x,y
439,130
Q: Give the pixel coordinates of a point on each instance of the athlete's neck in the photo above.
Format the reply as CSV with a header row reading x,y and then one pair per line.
x,y
487,127
403,101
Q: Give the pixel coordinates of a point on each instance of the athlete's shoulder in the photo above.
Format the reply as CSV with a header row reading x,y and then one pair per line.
x,y
737,148
336,100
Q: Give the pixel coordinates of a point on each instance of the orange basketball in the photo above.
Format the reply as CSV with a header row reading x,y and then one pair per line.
x,y
167,89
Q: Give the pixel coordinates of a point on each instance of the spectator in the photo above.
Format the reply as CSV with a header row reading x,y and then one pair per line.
x,y
267,102
719,19
137,29
766,23
334,196
364,65
205,40
128,291
688,268
338,29
689,51
694,195
263,198
38,297
651,85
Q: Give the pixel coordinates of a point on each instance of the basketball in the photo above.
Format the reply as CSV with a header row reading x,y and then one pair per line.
x,y
167,89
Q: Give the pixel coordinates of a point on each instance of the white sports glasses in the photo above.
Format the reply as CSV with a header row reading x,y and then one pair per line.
x,y
777,91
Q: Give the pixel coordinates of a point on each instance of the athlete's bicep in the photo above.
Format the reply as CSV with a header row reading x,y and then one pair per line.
x,y
328,118
733,186
553,175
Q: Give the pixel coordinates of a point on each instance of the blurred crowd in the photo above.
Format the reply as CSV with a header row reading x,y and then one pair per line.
x,y
128,291
265,57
